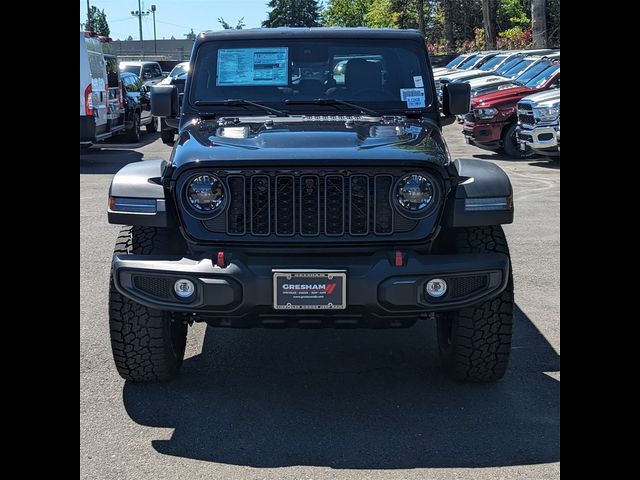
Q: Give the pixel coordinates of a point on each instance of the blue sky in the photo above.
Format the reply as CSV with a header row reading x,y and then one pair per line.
x,y
175,17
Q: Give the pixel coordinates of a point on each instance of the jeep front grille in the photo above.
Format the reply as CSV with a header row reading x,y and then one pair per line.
x,y
333,203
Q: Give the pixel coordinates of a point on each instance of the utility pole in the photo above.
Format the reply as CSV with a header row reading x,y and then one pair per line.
x,y
139,13
155,45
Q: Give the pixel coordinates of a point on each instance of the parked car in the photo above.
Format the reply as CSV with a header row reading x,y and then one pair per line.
x,y
539,122
529,66
180,69
492,122
101,99
149,72
137,106
452,65
279,208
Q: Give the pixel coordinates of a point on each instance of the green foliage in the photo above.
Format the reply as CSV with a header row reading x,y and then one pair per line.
x,y
381,15
191,35
226,26
513,13
97,22
346,13
515,38
293,13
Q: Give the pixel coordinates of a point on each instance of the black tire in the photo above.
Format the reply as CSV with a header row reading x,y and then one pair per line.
x,y
511,146
167,136
133,134
153,126
475,342
148,345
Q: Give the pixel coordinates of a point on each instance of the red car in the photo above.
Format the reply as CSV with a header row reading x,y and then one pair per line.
x,y
491,124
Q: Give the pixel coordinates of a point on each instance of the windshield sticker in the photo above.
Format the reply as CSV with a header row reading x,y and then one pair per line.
x,y
253,67
417,82
415,102
413,96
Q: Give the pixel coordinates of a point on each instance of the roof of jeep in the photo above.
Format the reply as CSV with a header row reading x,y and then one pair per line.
x,y
314,32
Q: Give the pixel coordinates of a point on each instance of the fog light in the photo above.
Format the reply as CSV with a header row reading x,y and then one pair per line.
x,y
184,288
436,287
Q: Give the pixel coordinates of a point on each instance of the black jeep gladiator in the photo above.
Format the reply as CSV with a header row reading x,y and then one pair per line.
x,y
310,186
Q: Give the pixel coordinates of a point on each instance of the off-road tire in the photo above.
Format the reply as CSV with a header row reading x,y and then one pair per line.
x,y
475,342
512,148
148,345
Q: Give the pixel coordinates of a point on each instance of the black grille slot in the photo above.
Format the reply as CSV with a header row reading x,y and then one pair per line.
x,y
260,205
310,205
463,286
359,205
334,205
383,212
157,286
525,114
285,206
236,222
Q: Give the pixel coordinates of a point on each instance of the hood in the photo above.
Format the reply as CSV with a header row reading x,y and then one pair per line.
x,y
546,96
307,140
487,80
509,95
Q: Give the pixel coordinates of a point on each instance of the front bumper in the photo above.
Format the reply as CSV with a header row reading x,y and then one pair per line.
x,y
375,286
539,137
483,134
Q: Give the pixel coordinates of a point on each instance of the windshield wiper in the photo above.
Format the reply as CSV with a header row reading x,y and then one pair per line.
x,y
333,101
232,102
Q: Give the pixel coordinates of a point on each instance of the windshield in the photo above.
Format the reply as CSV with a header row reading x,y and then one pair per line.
x,y
456,61
542,77
469,62
178,69
532,72
379,74
491,64
131,69
517,70
502,69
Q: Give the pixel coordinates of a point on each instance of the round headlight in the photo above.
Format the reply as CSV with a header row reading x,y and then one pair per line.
x,y
414,193
205,193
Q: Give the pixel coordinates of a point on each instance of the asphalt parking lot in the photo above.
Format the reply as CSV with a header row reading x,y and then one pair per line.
x,y
316,404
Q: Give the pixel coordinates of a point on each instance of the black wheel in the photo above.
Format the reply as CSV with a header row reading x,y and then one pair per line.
x,y
148,345
475,342
133,134
511,146
153,126
167,136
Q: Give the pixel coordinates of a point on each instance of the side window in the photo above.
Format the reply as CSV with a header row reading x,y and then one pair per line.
x,y
146,72
156,71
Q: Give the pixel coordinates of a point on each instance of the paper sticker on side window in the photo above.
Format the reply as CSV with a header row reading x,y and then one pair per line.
x,y
413,96
253,67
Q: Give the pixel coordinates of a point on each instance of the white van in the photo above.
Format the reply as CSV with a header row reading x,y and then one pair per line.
x,y
101,101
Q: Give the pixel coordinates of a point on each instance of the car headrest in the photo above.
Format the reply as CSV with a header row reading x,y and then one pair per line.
x,y
362,74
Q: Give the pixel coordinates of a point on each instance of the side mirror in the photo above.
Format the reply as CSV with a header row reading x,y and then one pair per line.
x,y
456,98
164,101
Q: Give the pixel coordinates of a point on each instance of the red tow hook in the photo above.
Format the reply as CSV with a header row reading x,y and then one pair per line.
x,y
399,259
220,260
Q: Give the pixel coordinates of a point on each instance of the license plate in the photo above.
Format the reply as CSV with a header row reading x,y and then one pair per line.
x,y
309,290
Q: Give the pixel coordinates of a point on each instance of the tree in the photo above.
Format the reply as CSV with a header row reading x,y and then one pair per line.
x,y
191,35
346,13
489,23
97,22
539,23
293,13
129,38
421,25
226,26
448,25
